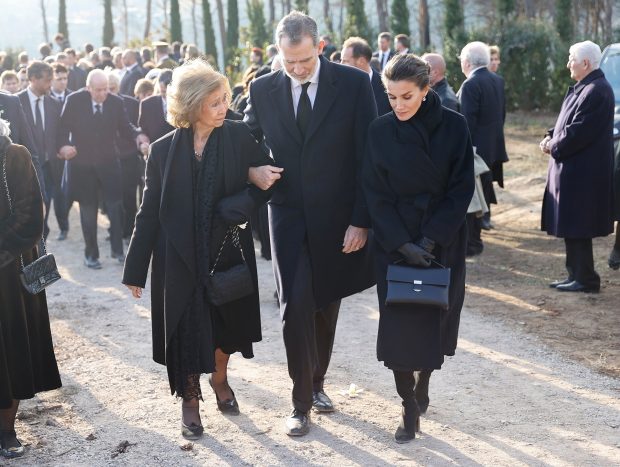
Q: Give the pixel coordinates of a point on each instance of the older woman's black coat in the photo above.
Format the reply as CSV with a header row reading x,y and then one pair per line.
x,y
413,193
165,230
578,200
27,362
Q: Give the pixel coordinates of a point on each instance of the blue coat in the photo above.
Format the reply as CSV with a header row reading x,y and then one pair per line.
x,y
578,200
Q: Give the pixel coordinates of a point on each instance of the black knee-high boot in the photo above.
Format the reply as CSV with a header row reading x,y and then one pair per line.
x,y
410,418
422,379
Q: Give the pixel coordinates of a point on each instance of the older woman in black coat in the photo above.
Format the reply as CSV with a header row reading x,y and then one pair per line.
x,y
196,190
578,199
418,182
27,362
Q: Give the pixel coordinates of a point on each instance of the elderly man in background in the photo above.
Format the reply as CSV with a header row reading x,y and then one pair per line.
x,y
438,82
578,199
131,73
483,106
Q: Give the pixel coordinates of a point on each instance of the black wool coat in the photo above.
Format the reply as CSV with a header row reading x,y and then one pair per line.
x,y
152,120
164,233
27,362
447,95
319,194
381,98
51,109
578,199
414,193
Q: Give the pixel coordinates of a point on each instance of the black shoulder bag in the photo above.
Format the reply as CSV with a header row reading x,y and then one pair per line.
x,y
42,272
410,285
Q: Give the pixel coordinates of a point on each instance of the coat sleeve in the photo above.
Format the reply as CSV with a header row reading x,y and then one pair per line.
x,y
125,128
22,229
23,135
66,124
146,229
470,105
449,212
250,118
583,129
365,113
388,227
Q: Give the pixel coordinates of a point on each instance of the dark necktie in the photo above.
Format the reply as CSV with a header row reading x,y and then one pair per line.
x,y
98,113
38,127
304,110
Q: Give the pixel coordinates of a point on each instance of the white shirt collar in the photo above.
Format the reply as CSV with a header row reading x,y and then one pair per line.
x,y
32,96
370,74
131,67
95,104
314,79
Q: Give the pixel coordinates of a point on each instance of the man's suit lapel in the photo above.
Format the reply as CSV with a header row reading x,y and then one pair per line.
x,y
325,97
282,97
25,101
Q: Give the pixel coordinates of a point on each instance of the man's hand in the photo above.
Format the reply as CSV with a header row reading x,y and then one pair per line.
x,y
264,176
142,139
144,149
544,145
67,152
135,291
354,239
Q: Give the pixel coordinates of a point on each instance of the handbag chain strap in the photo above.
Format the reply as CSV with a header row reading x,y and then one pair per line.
x,y
8,197
233,233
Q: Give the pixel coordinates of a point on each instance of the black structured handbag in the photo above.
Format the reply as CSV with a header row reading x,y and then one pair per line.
x,y
233,283
42,272
410,285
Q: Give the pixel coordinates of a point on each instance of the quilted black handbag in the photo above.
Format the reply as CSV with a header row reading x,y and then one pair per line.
x,y
233,283
42,272
410,285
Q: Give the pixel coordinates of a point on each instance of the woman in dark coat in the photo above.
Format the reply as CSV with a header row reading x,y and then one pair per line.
x,y
418,182
27,362
614,256
196,188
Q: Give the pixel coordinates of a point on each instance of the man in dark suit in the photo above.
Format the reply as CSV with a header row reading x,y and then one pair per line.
x,y
438,82
90,124
483,106
314,116
77,76
131,73
152,118
357,53
59,90
385,52
43,116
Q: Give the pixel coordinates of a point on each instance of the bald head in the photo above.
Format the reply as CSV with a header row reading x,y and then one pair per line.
x,y
438,67
97,84
129,57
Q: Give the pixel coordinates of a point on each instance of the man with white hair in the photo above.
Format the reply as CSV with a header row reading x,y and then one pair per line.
x,y
578,199
91,123
483,106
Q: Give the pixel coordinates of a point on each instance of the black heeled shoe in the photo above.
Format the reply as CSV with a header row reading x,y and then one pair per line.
x,y
192,431
409,422
228,406
10,447
421,389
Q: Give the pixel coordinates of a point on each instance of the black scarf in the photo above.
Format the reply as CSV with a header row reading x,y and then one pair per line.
x,y
419,128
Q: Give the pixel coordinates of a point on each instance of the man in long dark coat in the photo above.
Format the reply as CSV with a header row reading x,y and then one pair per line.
x,y
439,83
578,200
314,116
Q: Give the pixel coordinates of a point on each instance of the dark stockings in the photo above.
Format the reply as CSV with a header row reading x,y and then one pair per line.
x,y
7,423
219,378
405,383
617,242
191,401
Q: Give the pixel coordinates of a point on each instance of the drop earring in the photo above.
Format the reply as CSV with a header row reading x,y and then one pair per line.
x,y
424,98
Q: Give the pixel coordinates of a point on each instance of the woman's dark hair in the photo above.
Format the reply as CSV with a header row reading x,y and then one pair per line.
x,y
407,67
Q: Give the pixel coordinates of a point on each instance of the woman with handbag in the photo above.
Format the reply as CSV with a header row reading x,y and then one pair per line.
x,y
27,361
418,182
204,288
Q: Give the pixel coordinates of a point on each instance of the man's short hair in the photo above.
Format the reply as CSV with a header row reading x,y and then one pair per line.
x,y
476,53
105,52
295,26
165,77
143,85
37,69
70,51
587,50
385,35
59,68
59,37
494,50
45,49
23,57
359,48
403,39
8,75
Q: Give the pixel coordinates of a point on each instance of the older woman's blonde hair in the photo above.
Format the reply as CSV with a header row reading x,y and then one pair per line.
x,y
191,83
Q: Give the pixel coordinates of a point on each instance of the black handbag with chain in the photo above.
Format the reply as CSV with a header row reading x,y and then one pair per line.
x,y
410,285
233,283
42,272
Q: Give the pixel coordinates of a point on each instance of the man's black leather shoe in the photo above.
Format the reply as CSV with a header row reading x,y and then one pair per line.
x,y
486,224
298,423
92,263
554,284
614,259
321,402
575,286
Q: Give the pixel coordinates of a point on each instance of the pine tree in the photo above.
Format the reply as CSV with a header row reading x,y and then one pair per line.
x,y
207,23
454,40
563,19
108,25
176,32
399,21
232,38
356,23
62,19
302,5
257,31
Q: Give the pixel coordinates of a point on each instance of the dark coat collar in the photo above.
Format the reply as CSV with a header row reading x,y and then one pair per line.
x,y
593,75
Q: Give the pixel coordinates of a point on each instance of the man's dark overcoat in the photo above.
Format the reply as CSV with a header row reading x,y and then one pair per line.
x,y
130,78
27,362
381,98
165,232
152,120
319,194
578,199
447,95
51,109
415,192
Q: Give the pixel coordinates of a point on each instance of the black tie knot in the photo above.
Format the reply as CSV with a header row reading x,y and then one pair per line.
x,y
305,86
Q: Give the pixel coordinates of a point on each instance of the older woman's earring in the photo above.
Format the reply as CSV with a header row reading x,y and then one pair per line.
x,y
424,98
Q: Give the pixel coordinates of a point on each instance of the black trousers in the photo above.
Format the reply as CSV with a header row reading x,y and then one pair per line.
x,y
308,335
580,262
52,172
474,239
131,169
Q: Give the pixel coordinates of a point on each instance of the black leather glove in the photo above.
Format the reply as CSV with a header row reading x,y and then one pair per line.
x,y
415,255
426,243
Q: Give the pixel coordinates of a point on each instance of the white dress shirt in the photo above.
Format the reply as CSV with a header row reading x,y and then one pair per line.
x,y
383,58
312,89
33,102
126,70
95,104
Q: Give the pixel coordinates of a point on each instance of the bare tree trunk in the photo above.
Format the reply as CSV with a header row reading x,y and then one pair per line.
x,y
329,25
44,16
165,8
272,13
608,31
530,8
341,19
194,26
424,25
220,20
126,22
147,25
382,15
